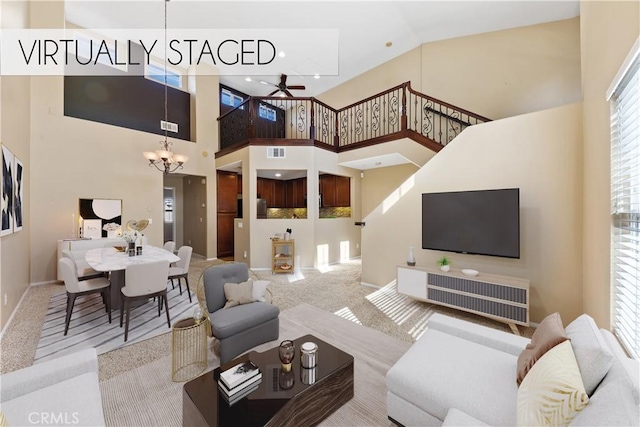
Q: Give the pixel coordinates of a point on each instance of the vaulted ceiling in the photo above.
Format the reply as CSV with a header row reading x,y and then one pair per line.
x,y
366,28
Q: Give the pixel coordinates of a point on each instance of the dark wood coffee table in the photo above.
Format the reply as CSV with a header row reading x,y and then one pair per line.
x,y
281,399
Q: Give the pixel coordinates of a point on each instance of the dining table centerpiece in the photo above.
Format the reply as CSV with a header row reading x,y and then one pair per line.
x,y
131,236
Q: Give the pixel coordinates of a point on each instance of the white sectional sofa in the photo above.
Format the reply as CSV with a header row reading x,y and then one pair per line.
x,y
462,374
63,391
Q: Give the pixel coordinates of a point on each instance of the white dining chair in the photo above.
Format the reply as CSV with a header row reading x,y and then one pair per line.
x,y
170,246
76,288
181,268
83,270
143,281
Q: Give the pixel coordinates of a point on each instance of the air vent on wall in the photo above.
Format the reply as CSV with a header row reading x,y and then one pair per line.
x,y
275,153
171,127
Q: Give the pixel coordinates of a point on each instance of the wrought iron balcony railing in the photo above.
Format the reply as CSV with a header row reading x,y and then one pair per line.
x,y
393,114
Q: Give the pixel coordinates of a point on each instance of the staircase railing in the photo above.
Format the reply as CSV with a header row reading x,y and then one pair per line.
x,y
437,120
392,114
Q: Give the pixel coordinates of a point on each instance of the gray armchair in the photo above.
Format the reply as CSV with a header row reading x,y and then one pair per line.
x,y
241,327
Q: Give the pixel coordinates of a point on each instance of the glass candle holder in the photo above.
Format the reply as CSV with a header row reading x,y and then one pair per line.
x,y
286,352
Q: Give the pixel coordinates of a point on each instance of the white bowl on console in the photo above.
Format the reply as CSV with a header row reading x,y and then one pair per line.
x,y
470,273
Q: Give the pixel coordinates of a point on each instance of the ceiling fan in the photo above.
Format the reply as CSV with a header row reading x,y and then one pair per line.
x,y
282,87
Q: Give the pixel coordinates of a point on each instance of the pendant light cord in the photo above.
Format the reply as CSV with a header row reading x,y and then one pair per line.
x,y
166,111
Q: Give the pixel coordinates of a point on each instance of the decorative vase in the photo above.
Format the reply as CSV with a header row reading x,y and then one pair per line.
x,y
411,258
286,352
287,236
445,268
132,248
111,234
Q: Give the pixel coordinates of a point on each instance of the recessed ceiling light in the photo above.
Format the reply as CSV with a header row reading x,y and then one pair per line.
x,y
263,82
316,76
282,95
388,44
248,79
278,175
281,54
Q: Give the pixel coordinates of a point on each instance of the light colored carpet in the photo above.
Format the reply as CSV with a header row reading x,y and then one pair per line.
x,y
146,396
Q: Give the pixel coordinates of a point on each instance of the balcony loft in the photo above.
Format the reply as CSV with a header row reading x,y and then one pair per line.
x,y
399,112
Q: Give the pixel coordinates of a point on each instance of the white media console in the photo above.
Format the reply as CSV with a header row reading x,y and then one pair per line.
x,y
501,298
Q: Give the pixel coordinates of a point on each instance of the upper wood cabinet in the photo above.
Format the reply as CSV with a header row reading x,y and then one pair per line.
x,y
278,194
335,190
227,187
343,191
265,188
300,193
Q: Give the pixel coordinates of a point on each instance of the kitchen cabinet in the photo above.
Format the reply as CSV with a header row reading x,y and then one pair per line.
x,y
300,193
296,193
328,190
265,189
343,191
278,194
335,190
227,187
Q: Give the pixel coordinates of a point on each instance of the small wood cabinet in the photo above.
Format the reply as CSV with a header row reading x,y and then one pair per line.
x,y
335,190
282,256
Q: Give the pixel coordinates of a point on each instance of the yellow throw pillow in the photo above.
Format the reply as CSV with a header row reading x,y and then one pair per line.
x,y
552,393
3,420
238,293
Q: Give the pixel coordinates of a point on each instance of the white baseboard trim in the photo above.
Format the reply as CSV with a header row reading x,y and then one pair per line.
x,y
212,259
46,282
13,313
371,285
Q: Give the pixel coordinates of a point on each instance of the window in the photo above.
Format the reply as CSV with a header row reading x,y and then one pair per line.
x,y
267,113
231,99
624,95
156,72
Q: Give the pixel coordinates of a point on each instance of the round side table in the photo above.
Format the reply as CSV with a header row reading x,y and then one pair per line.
x,y
189,349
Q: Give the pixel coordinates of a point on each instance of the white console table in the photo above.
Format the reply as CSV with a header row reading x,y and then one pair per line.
x,y
501,298
84,245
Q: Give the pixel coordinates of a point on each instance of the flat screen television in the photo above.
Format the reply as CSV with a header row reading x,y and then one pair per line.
x,y
484,222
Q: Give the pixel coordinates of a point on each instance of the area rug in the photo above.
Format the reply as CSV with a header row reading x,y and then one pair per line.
x,y
89,326
146,396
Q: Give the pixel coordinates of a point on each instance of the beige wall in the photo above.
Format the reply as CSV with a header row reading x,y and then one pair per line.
x,y
15,135
540,153
308,232
608,30
94,160
378,183
498,74
505,73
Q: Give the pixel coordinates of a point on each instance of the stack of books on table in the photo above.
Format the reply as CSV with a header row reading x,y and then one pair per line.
x,y
238,381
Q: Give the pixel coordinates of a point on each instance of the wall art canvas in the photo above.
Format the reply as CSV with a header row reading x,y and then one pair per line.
x,y
107,211
6,215
18,191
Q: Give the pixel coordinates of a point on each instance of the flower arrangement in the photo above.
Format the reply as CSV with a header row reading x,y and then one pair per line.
x,y
289,230
130,236
111,226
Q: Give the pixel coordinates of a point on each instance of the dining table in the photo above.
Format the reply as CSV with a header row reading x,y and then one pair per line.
x,y
115,261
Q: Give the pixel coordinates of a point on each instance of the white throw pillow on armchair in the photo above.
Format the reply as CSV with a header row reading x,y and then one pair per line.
x,y
260,290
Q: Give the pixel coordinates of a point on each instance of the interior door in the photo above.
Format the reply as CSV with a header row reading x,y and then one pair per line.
x,y
169,214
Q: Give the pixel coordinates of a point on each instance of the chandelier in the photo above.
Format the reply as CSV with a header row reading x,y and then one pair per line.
x,y
164,159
